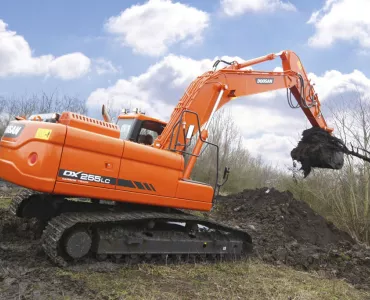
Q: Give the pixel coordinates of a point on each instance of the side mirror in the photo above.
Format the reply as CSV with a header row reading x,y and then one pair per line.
x,y
226,172
225,178
190,132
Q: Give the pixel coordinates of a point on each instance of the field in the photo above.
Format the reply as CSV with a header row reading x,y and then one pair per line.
x,y
26,273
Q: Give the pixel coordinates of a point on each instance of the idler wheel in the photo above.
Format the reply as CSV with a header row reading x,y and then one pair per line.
x,y
78,243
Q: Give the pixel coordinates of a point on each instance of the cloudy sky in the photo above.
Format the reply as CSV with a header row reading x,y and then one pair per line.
x,y
145,53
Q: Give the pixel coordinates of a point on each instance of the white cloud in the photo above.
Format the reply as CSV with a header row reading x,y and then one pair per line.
x,y
152,27
346,20
333,83
158,89
269,127
16,58
103,66
69,66
239,7
274,149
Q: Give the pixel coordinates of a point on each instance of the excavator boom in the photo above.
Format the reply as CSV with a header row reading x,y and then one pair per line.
x,y
212,90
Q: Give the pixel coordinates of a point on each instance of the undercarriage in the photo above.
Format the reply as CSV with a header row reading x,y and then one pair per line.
x,y
77,230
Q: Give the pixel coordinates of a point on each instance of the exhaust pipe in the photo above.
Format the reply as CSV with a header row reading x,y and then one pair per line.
x,y
106,115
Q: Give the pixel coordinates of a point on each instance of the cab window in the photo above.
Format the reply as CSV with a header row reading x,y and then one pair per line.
x,y
149,131
125,126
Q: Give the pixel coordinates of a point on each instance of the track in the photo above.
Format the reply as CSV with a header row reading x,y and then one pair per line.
x,y
77,231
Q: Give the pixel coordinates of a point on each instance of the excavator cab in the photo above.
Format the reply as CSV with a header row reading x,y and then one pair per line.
x,y
135,126
139,128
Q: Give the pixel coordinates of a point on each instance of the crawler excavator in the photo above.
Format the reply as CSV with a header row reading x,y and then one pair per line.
x,y
123,190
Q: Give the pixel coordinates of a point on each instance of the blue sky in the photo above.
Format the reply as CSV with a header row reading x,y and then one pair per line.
x,y
234,28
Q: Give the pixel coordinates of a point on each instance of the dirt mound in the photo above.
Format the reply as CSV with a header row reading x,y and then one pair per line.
x,y
285,230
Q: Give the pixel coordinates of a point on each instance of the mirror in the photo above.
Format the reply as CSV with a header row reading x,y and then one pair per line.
x,y
226,172
190,132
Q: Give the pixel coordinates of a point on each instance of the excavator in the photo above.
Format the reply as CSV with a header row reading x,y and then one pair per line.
x,y
123,190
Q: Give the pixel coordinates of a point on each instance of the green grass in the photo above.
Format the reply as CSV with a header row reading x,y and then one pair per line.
x,y
4,202
237,280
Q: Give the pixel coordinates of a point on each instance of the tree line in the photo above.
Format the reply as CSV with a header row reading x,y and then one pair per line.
x,y
37,103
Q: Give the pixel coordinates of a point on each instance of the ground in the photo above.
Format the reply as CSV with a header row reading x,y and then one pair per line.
x,y
26,273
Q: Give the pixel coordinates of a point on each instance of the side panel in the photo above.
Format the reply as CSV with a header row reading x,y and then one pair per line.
x,y
194,191
90,159
42,141
145,169
119,195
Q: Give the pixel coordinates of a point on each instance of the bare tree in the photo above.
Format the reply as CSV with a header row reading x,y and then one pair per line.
x,y
246,171
26,105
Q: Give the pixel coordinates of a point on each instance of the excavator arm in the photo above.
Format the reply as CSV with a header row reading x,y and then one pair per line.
x,y
212,90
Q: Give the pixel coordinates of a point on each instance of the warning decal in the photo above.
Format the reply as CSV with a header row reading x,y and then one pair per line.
x,y
43,134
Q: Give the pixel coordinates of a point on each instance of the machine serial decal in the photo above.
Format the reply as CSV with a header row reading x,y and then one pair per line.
x,y
74,176
13,131
264,80
43,134
82,176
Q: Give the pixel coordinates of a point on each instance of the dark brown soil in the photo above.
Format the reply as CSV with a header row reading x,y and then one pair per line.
x,y
288,231
25,272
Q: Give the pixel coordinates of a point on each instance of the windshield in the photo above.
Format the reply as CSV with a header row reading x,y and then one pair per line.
x,y
125,127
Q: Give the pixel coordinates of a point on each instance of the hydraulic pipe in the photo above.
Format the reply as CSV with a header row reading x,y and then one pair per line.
x,y
255,61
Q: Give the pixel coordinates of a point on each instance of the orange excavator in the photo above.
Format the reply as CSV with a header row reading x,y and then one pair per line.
x,y
123,190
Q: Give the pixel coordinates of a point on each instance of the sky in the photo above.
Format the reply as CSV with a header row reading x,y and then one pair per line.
x,y
145,54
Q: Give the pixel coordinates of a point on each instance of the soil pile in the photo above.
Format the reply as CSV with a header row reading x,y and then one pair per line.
x,y
285,230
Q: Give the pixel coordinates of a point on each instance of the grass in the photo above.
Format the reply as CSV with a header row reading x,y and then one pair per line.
x,y
4,202
237,280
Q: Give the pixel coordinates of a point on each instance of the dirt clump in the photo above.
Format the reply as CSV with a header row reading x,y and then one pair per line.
x,y
287,231
319,149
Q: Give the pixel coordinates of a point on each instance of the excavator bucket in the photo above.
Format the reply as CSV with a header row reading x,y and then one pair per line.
x,y
319,149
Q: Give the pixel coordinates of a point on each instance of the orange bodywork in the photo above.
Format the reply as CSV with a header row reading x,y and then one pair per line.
x,y
80,156
113,169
